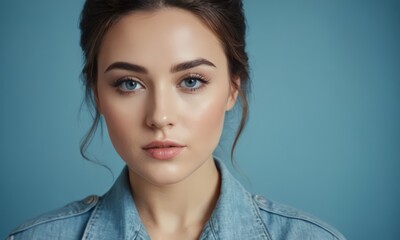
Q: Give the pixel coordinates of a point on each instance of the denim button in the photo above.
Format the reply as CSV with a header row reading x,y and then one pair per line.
x,y
260,199
90,199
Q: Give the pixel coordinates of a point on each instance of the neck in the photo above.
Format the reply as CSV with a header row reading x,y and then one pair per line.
x,y
178,206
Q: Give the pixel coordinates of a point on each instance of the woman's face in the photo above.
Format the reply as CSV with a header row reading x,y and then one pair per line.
x,y
163,88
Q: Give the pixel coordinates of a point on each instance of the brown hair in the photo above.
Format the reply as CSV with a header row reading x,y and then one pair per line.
x,y
224,17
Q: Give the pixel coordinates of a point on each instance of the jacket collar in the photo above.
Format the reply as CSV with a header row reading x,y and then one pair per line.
x,y
235,216
116,216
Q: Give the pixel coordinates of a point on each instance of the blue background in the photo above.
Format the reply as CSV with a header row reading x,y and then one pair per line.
x,y
323,134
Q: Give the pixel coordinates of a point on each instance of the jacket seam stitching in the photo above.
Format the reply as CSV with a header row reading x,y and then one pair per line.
x,y
305,219
48,219
256,212
92,219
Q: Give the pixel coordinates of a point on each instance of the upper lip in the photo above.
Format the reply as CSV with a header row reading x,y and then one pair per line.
x,y
162,144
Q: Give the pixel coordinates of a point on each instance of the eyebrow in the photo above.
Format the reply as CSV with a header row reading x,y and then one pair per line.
x,y
176,68
191,64
126,66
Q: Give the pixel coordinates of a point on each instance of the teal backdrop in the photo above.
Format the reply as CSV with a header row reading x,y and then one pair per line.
x,y
323,133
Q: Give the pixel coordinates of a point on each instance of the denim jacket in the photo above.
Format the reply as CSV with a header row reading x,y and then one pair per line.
x,y
237,215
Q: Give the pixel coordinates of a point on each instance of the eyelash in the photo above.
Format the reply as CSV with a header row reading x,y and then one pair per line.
x,y
194,76
118,84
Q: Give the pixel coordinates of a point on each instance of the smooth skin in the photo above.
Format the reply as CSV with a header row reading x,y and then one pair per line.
x,y
163,75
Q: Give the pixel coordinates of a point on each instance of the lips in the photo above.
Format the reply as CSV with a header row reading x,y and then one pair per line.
x,y
163,150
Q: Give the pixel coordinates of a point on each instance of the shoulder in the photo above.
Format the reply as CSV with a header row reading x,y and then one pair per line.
x,y
67,222
284,222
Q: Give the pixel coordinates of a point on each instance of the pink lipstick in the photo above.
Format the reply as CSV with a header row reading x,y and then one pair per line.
x,y
163,150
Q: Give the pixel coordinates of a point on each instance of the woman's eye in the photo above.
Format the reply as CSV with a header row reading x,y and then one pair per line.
x,y
128,85
192,83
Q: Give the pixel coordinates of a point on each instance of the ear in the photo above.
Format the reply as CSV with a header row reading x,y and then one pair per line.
x,y
233,94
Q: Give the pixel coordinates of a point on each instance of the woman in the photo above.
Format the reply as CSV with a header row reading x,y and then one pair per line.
x,y
163,74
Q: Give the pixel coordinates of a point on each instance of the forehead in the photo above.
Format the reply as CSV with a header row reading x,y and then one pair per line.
x,y
172,35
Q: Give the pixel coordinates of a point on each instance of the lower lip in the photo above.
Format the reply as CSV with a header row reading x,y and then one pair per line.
x,y
164,153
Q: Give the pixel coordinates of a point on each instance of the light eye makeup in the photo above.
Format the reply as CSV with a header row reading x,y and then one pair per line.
x,y
193,83
190,83
127,85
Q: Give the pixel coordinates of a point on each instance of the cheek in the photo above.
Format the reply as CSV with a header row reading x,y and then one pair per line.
x,y
122,119
206,120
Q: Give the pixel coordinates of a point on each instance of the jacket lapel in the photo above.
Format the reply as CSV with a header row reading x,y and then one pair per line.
x,y
235,216
116,216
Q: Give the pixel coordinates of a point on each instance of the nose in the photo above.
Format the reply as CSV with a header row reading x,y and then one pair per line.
x,y
161,110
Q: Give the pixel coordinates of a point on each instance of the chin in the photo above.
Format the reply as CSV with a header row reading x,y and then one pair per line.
x,y
163,173
167,180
